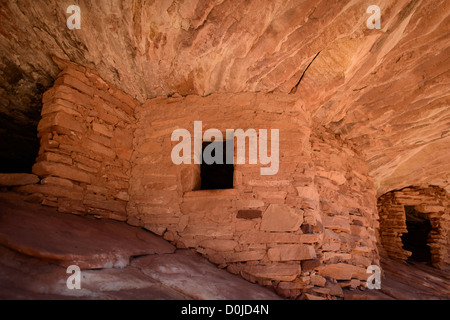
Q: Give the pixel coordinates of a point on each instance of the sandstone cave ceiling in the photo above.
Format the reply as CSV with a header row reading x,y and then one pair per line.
x,y
386,90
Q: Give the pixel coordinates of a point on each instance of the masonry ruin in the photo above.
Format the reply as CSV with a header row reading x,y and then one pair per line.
x,y
105,155
420,211
356,180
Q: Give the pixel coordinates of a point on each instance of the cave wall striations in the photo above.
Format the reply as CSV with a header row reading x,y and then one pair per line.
x,y
383,89
434,202
311,227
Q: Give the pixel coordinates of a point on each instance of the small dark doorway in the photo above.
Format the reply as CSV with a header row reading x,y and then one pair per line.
x,y
215,175
416,239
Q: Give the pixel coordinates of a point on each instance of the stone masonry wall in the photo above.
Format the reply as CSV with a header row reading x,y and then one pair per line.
x,y
309,229
432,201
86,134
301,230
347,204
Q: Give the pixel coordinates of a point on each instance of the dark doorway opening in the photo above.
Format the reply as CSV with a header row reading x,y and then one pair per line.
x,y
416,239
19,145
216,175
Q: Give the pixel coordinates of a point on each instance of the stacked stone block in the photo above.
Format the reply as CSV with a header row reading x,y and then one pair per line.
x,y
434,202
86,134
290,230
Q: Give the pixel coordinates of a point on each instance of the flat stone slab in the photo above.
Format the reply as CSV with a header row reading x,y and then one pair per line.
x,y
26,277
406,281
414,281
17,179
181,275
192,275
68,239
38,243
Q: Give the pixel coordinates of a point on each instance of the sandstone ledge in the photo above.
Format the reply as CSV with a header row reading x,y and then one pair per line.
x,y
118,261
17,179
68,239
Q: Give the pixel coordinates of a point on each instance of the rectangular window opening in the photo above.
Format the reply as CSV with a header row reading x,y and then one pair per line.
x,y
215,175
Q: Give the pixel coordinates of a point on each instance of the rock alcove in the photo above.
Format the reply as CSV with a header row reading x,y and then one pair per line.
x,y
363,117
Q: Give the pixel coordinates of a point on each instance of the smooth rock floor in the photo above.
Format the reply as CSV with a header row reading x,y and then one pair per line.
x,y
119,261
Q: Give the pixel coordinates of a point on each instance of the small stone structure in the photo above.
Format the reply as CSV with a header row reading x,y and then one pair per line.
x,y
86,134
432,201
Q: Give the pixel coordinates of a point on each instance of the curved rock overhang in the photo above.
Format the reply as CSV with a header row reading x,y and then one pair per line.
x,y
385,89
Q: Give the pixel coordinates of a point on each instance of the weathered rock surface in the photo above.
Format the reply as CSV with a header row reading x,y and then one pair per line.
x,y
188,273
17,179
406,281
384,89
414,281
343,271
24,277
68,239
178,275
291,252
280,217
35,252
